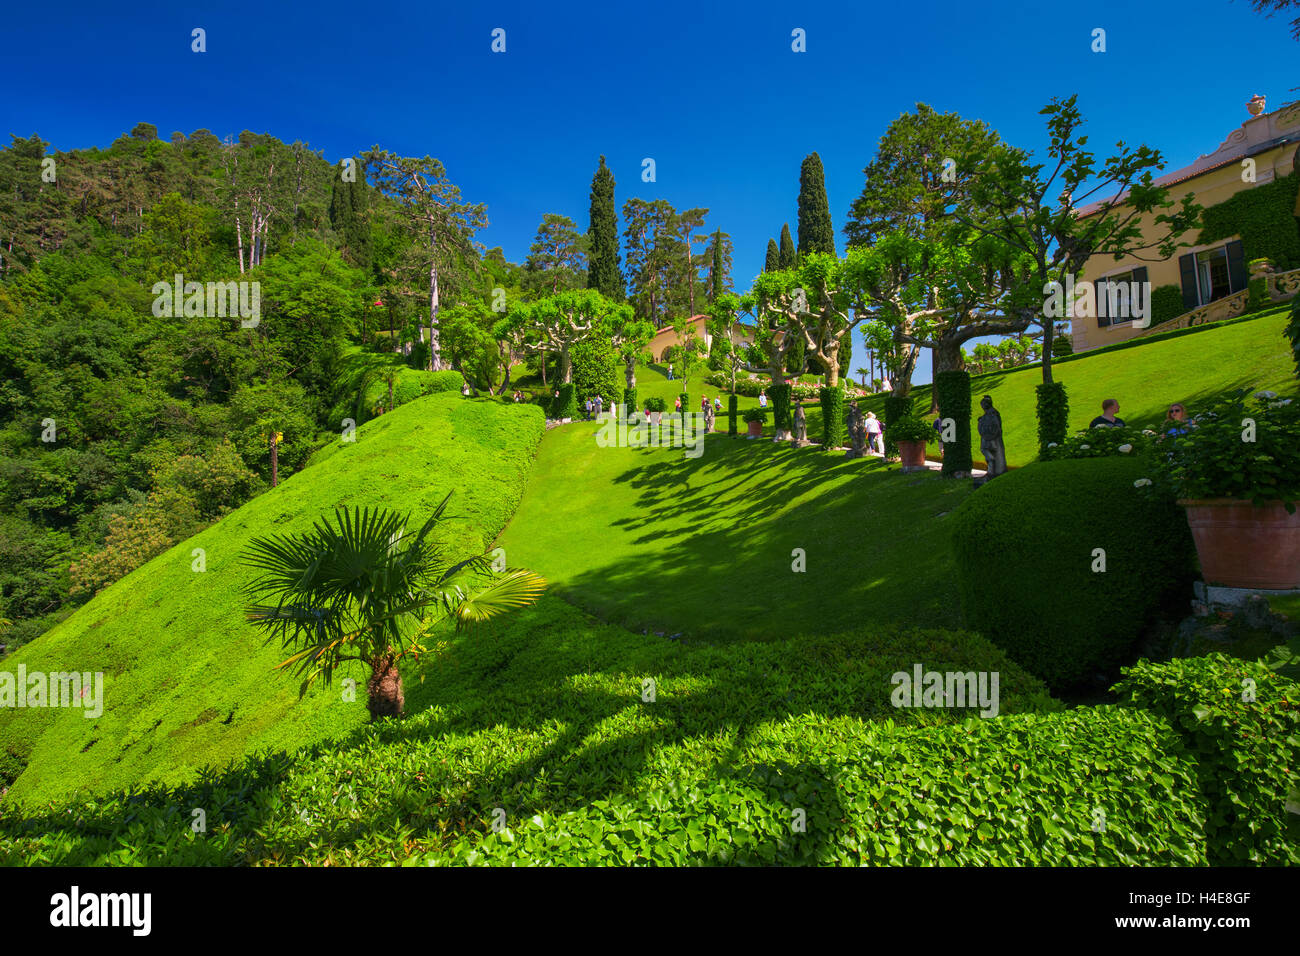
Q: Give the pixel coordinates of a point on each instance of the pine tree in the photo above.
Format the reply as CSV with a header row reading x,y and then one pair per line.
x,y
787,258
718,254
603,273
773,261
349,204
816,234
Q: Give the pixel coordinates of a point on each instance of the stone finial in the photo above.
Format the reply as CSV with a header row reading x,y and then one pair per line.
x,y
1256,104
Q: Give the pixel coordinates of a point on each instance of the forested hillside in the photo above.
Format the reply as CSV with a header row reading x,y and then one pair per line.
x,y
123,430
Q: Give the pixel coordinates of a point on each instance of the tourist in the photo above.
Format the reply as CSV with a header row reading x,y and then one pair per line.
x,y
677,404
586,409
600,405
1176,422
874,434
762,399
670,371
704,405
717,404
1107,418
464,390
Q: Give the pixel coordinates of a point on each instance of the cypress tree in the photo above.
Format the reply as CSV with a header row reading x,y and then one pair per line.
x,y
815,231
349,206
602,257
773,257
787,248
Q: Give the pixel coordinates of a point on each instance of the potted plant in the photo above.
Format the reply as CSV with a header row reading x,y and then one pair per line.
x,y
1237,472
911,434
755,417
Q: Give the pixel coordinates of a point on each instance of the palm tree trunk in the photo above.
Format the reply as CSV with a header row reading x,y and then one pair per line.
x,y
384,689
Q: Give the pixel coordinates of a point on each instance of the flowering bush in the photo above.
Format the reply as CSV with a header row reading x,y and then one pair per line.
x,y
1100,443
1244,447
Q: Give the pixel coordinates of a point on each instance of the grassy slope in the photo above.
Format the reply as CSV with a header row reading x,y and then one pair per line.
x,y
648,537
1146,380
187,682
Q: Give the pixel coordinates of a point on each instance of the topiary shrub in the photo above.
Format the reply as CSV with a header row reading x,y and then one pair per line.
x,y
732,404
834,432
1062,346
896,407
1292,332
629,400
1053,414
1166,303
780,398
565,405
686,402
656,404
1241,721
1026,548
953,391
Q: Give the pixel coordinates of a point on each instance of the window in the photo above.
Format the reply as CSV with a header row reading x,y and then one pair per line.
x,y
1211,274
1126,286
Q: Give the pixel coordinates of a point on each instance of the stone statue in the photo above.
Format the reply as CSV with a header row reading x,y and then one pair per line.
x,y
857,426
990,429
708,418
800,427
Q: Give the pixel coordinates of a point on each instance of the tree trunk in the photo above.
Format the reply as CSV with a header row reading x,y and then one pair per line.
x,y
435,358
275,461
566,367
384,689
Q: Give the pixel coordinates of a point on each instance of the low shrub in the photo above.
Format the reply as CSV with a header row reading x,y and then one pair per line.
x,y
1243,723
755,415
911,428
656,404
896,407
1026,546
1102,443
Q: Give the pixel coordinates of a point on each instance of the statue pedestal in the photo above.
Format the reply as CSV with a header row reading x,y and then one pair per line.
x,y
783,435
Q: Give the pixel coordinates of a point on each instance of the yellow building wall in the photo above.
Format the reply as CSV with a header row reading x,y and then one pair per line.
x,y
1207,189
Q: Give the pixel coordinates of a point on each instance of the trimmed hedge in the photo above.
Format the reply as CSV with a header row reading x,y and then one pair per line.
x,y
896,407
1243,723
953,391
732,405
1025,551
1292,333
565,405
834,431
629,399
780,398
1053,414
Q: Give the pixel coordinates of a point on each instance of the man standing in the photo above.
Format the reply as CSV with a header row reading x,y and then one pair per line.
x,y
1107,418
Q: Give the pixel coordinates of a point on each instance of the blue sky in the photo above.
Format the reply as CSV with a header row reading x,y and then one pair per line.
x,y
711,91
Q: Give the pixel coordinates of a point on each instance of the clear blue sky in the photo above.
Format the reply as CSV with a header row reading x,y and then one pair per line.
x,y
711,91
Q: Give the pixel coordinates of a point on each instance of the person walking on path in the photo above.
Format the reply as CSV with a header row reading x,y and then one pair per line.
x,y
670,371
874,433
762,399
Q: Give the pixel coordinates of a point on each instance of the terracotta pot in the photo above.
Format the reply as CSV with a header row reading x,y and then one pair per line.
x,y
912,453
1242,545
755,429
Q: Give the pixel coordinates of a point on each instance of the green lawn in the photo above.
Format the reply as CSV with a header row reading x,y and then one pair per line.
x,y
187,681
650,538
1146,380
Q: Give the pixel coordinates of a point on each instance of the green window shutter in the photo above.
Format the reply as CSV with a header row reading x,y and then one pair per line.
x,y
1187,275
1237,277
1099,305
1141,295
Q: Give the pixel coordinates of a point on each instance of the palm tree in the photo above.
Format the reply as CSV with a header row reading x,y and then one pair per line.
x,y
366,589
862,373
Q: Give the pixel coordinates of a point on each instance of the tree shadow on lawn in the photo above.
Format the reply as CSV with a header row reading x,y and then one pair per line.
x,y
716,554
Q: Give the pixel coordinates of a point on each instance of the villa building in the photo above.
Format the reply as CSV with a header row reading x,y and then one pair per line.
x,y
667,337
1209,280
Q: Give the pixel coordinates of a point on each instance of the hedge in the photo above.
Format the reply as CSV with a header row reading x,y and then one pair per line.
x,y
953,390
834,432
1166,303
1025,548
565,404
732,404
780,398
629,400
1053,414
896,407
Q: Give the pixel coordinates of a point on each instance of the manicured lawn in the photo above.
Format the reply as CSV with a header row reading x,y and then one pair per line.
x,y
1146,380
187,681
650,538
